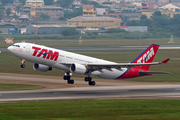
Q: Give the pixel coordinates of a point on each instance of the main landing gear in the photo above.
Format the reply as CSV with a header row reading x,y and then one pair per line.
x,y
89,79
68,78
23,63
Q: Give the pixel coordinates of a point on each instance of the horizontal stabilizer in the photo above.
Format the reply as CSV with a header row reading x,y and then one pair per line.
x,y
165,61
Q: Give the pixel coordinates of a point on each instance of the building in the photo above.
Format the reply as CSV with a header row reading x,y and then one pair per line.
x,y
115,13
135,28
47,29
6,26
27,8
53,11
35,3
101,11
32,13
163,1
94,22
150,1
89,10
111,4
153,6
174,1
171,7
101,1
141,6
168,13
12,8
76,4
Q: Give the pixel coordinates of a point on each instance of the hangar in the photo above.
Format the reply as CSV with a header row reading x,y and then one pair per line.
x,y
47,29
94,22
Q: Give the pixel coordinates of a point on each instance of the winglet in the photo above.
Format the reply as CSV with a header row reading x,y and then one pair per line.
x,y
165,61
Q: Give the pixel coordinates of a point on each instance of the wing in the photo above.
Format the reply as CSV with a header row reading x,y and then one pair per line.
x,y
122,65
97,66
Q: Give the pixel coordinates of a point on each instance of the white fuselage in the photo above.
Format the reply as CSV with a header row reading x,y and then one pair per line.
x,y
33,53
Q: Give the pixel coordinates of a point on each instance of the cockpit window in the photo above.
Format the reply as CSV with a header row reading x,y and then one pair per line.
x,y
16,46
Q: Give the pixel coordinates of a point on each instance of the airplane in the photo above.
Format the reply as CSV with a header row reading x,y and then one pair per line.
x,y
46,58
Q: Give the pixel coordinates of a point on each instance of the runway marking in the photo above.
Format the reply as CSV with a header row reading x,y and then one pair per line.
x,y
75,86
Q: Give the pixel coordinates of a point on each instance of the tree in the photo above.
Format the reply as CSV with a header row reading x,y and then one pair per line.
x,y
6,1
115,30
8,11
143,17
22,1
96,5
44,16
48,2
18,8
157,13
68,14
64,3
15,16
69,32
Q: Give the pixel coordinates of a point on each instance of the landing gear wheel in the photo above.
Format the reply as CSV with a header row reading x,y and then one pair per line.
x,y
70,81
87,79
23,65
93,83
67,77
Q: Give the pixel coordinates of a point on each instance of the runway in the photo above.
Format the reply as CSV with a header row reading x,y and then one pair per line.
x,y
105,89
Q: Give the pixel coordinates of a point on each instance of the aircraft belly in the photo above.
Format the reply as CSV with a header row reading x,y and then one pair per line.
x,y
61,67
111,74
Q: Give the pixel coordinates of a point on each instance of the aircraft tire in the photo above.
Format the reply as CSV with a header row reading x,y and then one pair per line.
x,y
86,79
93,83
68,77
70,81
23,65
65,77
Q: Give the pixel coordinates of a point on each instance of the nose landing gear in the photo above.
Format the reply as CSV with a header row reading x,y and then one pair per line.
x,y
23,63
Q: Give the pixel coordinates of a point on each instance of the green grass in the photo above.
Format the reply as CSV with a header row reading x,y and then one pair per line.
x,y
11,86
92,110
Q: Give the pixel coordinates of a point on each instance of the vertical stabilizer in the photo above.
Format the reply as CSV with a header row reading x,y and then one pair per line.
x,y
147,56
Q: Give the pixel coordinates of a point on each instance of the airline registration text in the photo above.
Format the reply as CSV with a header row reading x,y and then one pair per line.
x,y
146,56
47,54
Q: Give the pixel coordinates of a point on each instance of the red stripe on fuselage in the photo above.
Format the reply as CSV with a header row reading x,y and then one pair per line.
x,y
131,73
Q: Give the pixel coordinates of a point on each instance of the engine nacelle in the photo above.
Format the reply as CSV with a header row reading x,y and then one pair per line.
x,y
42,68
78,68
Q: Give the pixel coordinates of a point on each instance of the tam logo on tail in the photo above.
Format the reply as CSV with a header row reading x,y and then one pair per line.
x,y
147,56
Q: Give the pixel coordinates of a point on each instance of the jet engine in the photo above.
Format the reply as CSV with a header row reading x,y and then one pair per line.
x,y
42,68
78,68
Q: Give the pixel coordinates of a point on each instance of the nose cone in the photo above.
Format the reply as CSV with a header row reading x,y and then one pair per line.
x,y
9,48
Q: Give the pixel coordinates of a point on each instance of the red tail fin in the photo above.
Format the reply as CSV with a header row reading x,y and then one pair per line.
x,y
147,56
